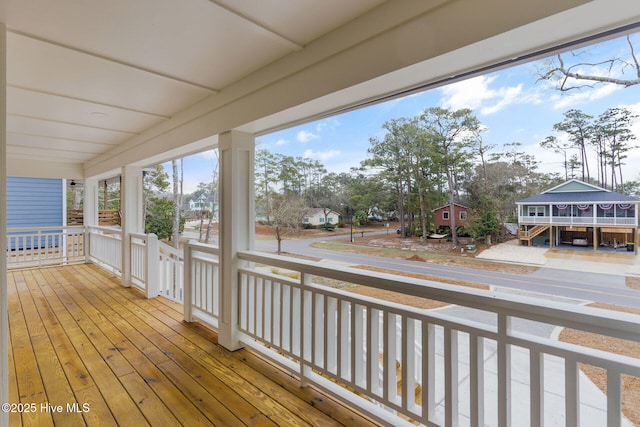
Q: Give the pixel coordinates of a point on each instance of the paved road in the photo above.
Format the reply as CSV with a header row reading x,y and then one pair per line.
x,y
571,285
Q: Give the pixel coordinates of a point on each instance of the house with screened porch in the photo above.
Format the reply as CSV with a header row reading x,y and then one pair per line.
x,y
576,213
105,325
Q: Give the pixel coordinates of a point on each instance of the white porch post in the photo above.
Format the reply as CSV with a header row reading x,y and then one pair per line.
x,y
4,308
90,202
237,224
89,213
131,205
594,222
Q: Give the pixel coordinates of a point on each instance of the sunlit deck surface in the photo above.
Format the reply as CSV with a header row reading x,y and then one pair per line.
x,y
77,336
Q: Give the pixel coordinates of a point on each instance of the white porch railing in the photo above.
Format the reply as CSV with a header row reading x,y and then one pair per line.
x,y
202,287
535,219
431,367
145,262
171,273
37,247
105,248
152,269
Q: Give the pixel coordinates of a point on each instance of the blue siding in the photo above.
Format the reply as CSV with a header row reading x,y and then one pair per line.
x,y
34,202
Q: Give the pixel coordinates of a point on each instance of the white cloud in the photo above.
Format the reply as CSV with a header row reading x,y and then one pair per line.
x,y
306,136
568,99
281,142
330,124
468,93
475,93
322,155
508,95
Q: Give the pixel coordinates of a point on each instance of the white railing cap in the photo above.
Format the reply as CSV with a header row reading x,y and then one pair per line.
x,y
47,228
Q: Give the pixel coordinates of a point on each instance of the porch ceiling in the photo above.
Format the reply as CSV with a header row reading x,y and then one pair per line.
x,y
95,85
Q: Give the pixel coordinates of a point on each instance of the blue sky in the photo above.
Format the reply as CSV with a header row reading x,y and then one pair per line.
x,y
512,106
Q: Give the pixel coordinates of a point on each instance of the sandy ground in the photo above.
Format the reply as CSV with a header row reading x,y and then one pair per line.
x,y
511,251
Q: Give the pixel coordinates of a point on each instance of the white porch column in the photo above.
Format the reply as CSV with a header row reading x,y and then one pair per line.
x,y
4,310
237,224
90,202
89,213
131,199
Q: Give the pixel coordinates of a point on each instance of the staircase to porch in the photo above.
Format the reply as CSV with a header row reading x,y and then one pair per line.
x,y
528,235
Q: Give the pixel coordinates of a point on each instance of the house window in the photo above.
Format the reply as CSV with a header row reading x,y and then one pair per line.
x,y
536,210
306,220
330,220
445,215
321,220
463,215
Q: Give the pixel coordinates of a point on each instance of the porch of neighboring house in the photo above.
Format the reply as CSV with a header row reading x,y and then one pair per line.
x,y
78,337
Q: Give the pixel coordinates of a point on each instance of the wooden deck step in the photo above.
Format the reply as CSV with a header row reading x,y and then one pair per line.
x,y
532,232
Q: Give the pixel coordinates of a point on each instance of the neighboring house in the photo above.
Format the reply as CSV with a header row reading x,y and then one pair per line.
x,y
204,202
579,214
33,202
318,217
442,215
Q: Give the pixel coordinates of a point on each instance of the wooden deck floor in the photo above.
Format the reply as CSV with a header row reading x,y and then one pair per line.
x,y
86,351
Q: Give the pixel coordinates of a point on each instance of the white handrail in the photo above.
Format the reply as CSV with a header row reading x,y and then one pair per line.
x,y
39,246
578,220
201,284
171,272
376,347
105,248
144,262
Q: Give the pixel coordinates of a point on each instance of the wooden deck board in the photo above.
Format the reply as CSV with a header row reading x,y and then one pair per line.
x,y
77,336
262,393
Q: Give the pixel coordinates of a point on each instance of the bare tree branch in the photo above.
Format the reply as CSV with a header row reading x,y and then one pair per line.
x,y
570,77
